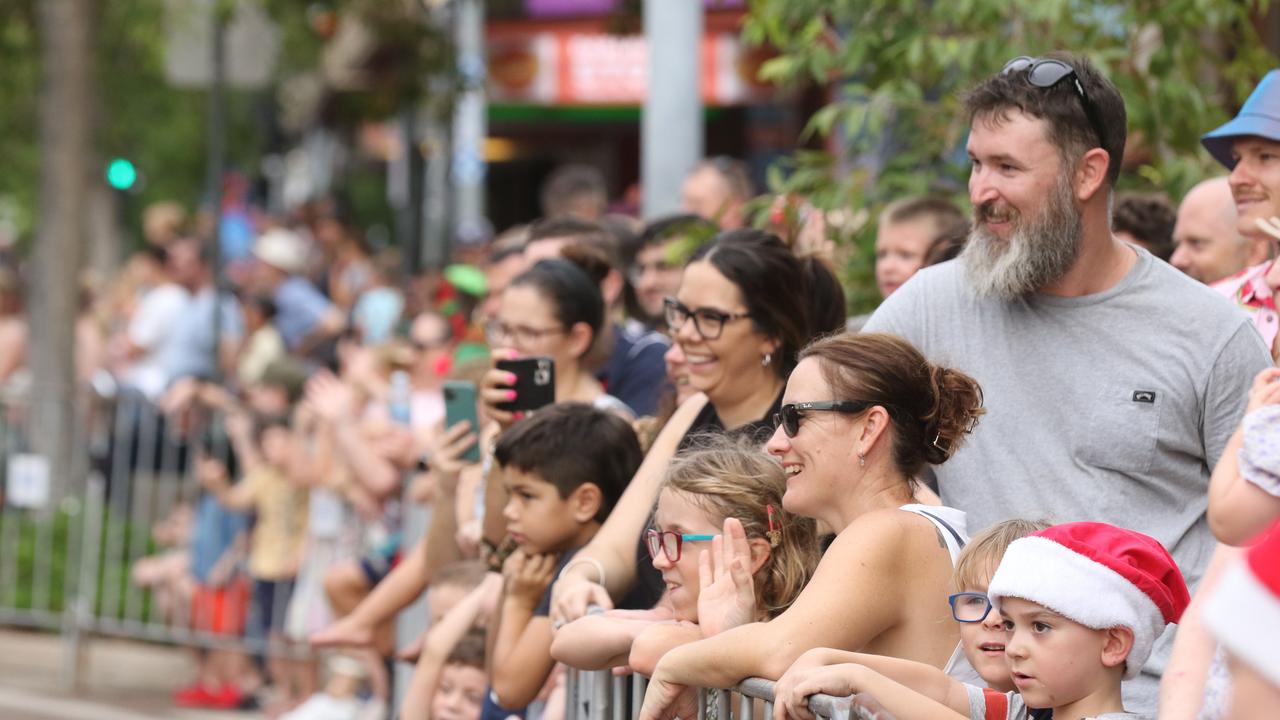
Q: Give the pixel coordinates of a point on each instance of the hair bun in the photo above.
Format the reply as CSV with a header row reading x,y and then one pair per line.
x,y
957,405
588,259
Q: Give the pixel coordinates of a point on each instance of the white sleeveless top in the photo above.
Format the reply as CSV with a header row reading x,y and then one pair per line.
x,y
952,526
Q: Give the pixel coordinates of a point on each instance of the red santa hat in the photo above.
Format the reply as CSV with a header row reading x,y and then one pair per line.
x,y
1243,610
1100,576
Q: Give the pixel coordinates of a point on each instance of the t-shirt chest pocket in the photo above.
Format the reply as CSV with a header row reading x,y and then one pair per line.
x,y
1123,428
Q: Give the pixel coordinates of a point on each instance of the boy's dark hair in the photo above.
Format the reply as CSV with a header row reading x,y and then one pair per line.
x,y
469,652
1149,217
571,444
1061,107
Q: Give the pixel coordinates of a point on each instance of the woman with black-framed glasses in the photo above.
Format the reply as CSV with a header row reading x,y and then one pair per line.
x,y
745,307
861,416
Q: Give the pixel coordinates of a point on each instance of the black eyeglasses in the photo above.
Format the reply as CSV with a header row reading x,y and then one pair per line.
x,y
708,322
969,607
670,544
1048,72
788,416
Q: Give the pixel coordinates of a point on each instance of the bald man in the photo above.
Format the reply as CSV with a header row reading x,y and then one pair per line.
x,y
1207,243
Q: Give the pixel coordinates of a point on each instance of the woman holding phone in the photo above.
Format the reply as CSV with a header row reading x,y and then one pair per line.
x,y
552,310
745,307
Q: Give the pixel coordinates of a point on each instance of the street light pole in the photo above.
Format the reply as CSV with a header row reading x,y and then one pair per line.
x,y
217,159
671,128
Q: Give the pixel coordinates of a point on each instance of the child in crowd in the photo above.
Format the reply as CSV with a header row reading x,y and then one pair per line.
x,y
457,609
460,692
220,598
264,448
1082,604
1244,494
982,634
715,581
563,469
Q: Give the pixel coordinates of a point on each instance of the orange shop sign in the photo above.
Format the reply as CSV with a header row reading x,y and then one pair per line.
x,y
575,68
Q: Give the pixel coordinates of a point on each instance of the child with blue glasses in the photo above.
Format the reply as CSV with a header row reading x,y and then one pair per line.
x,y
728,553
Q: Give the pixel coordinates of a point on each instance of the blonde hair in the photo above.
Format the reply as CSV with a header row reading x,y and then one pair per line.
x,y
728,477
978,560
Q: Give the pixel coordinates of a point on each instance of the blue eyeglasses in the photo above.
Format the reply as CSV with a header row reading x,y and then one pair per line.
x,y
969,607
670,543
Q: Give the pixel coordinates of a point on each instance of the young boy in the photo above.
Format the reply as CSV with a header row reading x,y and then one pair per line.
x,y
460,692
265,452
1082,604
982,635
563,469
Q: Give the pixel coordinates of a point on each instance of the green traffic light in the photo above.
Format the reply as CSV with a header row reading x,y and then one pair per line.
x,y
121,174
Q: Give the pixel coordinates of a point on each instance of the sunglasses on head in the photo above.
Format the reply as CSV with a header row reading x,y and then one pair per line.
x,y
788,416
1046,73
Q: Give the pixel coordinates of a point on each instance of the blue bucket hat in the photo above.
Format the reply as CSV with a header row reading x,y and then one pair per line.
x,y
1260,117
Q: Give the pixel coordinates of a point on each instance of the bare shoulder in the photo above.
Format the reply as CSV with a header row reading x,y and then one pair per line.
x,y
889,535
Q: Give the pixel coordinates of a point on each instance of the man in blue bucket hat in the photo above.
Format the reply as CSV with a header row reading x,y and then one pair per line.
x,y
1249,146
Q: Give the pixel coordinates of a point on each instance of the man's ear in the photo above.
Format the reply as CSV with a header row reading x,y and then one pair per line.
x,y
1116,646
585,502
1091,173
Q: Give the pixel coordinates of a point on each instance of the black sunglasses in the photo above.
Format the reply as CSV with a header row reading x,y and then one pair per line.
x,y
788,416
1048,72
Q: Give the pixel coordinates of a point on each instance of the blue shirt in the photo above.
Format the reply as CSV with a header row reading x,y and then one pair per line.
x,y
214,532
299,307
636,370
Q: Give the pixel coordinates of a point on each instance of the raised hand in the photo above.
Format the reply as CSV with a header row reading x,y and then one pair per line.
x,y
727,596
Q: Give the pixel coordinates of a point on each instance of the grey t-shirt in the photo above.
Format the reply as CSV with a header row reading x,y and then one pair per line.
x,y
1111,407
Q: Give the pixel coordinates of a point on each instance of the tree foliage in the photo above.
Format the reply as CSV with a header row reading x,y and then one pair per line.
x,y
895,70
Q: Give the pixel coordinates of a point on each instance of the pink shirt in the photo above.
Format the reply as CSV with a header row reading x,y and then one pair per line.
x,y
1248,289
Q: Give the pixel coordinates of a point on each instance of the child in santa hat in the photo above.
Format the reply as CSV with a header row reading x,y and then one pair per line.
x,y
1082,603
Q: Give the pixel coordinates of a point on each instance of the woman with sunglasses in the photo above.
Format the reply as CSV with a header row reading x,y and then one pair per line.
x,y
862,415
727,552
553,309
746,306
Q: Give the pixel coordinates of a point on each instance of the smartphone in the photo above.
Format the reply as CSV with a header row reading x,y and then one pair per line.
x,y
459,405
535,383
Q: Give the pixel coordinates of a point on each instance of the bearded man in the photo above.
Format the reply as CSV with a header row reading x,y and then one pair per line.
x,y
1112,381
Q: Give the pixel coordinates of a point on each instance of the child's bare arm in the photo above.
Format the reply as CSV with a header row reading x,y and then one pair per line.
x,y
520,660
1239,509
897,699
656,640
919,678
601,641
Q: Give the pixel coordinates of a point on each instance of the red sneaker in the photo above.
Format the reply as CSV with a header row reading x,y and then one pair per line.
x,y
195,695
228,697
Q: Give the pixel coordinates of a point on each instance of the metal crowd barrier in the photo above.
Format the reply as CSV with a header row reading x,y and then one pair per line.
x,y
599,695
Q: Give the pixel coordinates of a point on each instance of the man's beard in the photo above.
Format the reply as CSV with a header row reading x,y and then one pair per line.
x,y
1039,251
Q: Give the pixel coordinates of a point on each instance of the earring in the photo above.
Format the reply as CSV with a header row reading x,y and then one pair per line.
x,y
766,360
862,460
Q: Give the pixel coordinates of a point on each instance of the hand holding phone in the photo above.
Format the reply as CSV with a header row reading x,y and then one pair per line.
x,y
460,405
